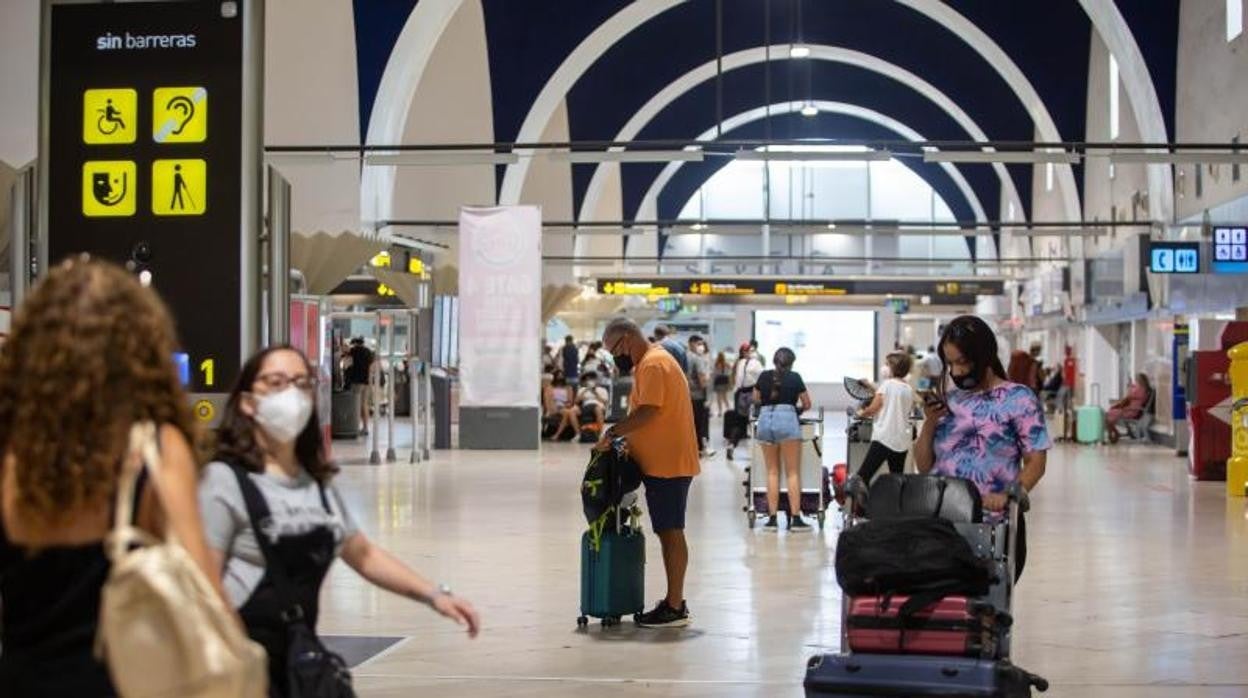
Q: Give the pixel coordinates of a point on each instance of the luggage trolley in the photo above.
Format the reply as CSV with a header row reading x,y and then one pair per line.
x,y
858,431
941,651
814,477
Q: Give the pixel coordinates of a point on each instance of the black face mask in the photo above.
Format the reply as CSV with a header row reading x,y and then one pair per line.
x,y
970,381
623,362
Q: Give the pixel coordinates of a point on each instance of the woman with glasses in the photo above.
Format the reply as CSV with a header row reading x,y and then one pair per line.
x,y
270,454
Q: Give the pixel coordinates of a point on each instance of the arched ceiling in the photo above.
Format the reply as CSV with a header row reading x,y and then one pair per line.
x,y
612,56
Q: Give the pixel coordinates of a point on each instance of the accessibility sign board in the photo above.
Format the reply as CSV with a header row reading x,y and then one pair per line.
x,y
141,138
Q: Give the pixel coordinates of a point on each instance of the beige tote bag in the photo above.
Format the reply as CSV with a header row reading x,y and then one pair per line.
x,y
163,630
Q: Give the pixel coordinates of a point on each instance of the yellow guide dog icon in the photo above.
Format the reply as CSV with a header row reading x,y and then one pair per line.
x,y
180,115
108,188
179,187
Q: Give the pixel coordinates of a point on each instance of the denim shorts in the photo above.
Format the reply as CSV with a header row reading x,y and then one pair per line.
x,y
777,424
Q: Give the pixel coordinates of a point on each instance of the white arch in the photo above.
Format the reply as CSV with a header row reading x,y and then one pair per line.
x,y
689,80
632,16
1142,92
402,76
649,201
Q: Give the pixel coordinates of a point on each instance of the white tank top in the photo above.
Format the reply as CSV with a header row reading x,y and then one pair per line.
x,y
892,425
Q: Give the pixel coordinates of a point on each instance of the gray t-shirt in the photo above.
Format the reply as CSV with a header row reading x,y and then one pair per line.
x,y
294,508
699,375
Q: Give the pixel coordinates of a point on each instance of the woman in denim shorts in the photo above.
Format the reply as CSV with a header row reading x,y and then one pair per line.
x,y
781,396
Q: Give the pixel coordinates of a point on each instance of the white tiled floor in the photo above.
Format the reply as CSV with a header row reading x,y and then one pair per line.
x,y
1136,583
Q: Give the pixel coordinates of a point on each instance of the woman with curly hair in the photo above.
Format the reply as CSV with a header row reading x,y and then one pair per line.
x,y
271,468
90,354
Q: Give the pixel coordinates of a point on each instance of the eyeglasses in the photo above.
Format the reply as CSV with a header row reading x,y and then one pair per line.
x,y
280,381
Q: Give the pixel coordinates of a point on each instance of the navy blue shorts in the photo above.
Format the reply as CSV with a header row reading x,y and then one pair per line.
x,y
667,498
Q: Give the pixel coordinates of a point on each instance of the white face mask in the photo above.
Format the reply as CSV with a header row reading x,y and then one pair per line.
x,y
283,415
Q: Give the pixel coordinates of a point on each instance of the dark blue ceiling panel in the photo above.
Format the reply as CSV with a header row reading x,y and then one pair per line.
x,y
682,39
378,24
1155,24
1050,42
528,41
830,82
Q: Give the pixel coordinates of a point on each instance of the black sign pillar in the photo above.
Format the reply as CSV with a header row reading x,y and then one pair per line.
x,y
150,151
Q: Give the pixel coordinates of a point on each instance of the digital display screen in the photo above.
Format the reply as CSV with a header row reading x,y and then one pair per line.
x,y
1174,257
829,344
1230,250
142,134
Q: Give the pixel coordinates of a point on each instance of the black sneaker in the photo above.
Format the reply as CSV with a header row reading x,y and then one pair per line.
x,y
797,523
772,524
664,616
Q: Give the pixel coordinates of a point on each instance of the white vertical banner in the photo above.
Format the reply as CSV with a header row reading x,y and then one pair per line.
x,y
500,304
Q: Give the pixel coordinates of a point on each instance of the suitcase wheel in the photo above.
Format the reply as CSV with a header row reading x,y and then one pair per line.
x,y
610,621
582,621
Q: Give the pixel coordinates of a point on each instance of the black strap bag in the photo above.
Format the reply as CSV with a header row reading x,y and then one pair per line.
x,y
923,557
312,671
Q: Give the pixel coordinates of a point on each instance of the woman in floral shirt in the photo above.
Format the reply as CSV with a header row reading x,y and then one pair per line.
x,y
985,428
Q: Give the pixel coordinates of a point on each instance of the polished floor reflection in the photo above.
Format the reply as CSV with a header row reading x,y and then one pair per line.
x,y
1135,584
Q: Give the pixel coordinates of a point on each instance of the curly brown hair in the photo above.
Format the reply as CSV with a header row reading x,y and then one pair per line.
x,y
90,353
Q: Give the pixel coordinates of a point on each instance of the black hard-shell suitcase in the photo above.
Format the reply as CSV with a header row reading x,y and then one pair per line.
x,y
736,426
916,675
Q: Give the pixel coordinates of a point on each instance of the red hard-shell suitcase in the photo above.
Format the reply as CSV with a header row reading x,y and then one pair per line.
x,y
953,626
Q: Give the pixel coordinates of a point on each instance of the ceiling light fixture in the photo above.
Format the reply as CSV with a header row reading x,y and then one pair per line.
x,y
799,51
991,156
813,155
436,158
596,156
810,110
1162,158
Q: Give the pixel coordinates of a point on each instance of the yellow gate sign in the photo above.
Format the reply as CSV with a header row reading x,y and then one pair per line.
x,y
108,188
180,115
179,187
109,116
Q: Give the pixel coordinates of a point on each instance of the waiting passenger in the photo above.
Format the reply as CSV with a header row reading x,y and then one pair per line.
x,y
570,355
1130,407
666,337
987,430
891,432
90,353
745,373
782,394
661,438
270,450
721,381
589,407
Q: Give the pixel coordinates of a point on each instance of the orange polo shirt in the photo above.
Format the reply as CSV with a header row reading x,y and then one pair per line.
x,y
668,445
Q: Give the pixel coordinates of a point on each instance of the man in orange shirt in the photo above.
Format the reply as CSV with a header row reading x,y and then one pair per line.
x,y
662,439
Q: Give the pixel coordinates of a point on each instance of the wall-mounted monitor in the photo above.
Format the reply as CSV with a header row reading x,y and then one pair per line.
x,y
1174,257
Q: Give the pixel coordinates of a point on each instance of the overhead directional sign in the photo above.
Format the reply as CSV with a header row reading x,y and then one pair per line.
x,y
951,292
1230,250
137,172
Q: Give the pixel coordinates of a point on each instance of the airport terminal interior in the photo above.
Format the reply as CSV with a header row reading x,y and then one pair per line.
x,y
501,231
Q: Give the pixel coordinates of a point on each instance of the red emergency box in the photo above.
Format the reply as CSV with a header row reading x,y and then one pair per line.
x,y
1209,406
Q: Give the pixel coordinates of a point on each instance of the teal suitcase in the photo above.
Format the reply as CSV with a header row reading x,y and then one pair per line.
x,y
613,577
1090,419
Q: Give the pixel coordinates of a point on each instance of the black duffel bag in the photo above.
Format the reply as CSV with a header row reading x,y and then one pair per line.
x,y
923,557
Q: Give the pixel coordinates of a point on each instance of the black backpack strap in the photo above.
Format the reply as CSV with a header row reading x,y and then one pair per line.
x,y
258,511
